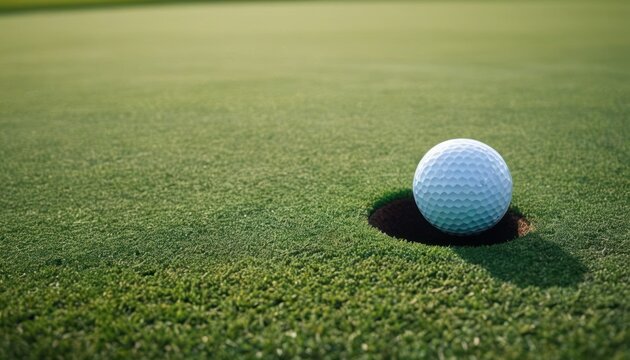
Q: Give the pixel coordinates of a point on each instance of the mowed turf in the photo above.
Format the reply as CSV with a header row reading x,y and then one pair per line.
x,y
195,180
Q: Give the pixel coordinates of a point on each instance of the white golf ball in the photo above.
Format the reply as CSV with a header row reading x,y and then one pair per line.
x,y
462,186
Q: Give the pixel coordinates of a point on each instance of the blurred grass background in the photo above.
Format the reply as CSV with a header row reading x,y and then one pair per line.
x,y
195,180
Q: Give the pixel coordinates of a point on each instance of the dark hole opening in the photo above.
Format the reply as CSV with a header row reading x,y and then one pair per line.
x,y
400,218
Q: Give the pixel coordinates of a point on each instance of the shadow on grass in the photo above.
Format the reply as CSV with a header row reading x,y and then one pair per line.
x,y
528,261
509,251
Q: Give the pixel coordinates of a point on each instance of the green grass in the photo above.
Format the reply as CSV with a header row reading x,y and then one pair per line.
x,y
195,180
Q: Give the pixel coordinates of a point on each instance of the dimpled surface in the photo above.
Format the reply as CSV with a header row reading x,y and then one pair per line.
x,y
462,186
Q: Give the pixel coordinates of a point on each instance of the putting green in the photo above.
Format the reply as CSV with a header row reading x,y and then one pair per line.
x,y
195,180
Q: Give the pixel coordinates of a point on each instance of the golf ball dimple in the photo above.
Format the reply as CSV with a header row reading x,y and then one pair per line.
x,y
462,186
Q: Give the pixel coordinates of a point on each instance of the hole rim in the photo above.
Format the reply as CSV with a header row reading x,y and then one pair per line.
x,y
512,226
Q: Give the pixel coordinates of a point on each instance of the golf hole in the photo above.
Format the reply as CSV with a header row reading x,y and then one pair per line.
x,y
401,219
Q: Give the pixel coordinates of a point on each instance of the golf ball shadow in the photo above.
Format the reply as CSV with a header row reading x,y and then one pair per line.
x,y
401,219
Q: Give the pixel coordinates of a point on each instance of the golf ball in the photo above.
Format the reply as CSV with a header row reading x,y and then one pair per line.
x,y
462,186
